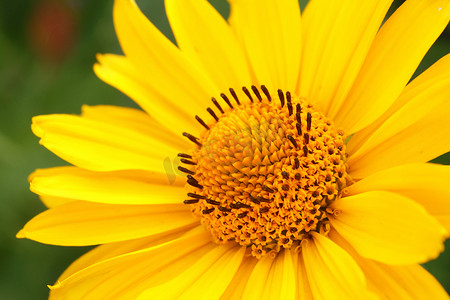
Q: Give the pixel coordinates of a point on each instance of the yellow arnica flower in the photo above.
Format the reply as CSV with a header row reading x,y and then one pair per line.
x,y
277,155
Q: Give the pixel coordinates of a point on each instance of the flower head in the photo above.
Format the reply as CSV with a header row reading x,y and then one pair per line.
x,y
278,155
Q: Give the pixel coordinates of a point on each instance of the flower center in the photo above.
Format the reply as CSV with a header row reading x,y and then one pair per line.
x,y
264,173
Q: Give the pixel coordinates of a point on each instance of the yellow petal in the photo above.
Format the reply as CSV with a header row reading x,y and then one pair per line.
x,y
395,54
206,279
237,286
120,187
425,183
120,72
395,282
205,37
415,129
271,34
417,91
100,146
388,227
272,278
83,223
134,119
51,201
127,275
108,251
332,272
173,77
304,287
337,37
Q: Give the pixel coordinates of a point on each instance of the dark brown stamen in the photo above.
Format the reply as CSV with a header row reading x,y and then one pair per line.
x,y
264,210
184,170
254,200
308,121
258,95
281,96
267,189
217,104
192,138
208,211
298,113
292,140
212,202
247,93
191,180
242,215
224,209
190,201
192,195
306,136
212,113
285,175
233,93
224,97
266,92
187,161
296,163
261,199
184,155
305,150
289,103
201,122
299,128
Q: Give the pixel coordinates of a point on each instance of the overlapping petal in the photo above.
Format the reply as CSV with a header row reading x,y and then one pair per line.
x,y
120,187
395,54
206,38
81,223
388,227
271,34
337,36
428,184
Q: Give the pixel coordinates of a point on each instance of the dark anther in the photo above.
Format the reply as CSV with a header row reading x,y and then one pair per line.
x,y
192,195
298,113
217,104
192,138
190,201
258,95
261,199
266,92
233,93
212,113
184,170
284,232
264,210
299,128
188,162
191,180
292,140
293,229
254,200
224,209
184,155
247,93
201,122
212,202
224,97
267,189
285,187
296,163
305,150
297,176
285,175
306,136
238,205
242,215
308,121
208,211
289,103
281,96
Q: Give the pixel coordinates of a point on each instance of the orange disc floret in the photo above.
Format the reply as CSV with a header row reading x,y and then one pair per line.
x,y
264,172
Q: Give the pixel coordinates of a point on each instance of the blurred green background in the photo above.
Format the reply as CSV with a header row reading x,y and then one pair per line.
x,y
47,49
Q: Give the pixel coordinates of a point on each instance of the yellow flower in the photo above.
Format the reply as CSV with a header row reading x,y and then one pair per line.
x,y
295,141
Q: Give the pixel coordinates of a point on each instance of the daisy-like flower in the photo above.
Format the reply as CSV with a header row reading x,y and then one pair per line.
x,y
277,156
